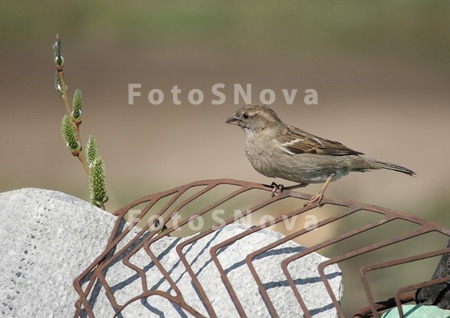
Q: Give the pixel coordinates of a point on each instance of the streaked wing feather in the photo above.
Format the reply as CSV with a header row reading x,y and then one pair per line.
x,y
298,141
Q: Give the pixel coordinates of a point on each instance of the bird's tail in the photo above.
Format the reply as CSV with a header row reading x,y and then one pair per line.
x,y
391,166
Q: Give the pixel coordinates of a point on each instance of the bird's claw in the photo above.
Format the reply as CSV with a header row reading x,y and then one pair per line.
x,y
276,188
315,200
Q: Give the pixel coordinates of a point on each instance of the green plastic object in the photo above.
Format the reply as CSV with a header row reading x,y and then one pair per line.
x,y
418,311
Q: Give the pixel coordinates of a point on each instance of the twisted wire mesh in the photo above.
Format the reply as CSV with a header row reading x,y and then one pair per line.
x,y
155,218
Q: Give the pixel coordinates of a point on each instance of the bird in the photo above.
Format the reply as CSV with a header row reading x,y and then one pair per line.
x,y
278,150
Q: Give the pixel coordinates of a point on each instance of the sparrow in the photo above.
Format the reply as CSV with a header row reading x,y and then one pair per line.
x,y
277,150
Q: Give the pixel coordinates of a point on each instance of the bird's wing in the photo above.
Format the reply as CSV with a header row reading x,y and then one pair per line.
x,y
297,141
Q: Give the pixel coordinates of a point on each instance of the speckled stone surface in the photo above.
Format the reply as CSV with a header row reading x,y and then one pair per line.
x,y
48,238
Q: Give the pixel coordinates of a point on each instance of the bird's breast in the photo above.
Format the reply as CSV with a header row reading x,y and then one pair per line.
x,y
258,152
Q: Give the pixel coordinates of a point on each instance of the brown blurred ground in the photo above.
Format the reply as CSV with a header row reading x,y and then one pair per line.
x,y
381,72
389,109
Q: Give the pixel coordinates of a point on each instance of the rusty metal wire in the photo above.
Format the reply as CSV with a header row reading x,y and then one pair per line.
x,y
194,194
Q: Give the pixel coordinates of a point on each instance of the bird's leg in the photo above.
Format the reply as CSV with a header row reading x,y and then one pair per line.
x,y
316,199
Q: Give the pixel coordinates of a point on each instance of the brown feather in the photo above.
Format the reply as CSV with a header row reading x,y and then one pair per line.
x,y
309,143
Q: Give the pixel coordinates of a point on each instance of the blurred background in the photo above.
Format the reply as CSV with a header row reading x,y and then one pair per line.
x,y
381,70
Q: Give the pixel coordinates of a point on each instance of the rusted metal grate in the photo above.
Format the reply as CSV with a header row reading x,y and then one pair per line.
x,y
142,233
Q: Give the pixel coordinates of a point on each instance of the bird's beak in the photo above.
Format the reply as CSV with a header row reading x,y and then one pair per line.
x,y
232,120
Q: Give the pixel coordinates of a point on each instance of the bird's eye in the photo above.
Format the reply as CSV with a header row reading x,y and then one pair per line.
x,y
245,116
